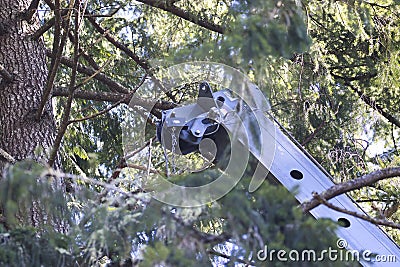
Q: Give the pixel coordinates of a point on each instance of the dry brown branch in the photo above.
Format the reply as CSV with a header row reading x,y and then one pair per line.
x,y
351,185
355,214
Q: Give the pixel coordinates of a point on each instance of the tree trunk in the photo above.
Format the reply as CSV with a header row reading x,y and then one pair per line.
x,y
25,60
22,81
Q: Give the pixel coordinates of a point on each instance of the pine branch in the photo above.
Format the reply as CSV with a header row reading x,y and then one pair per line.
x,y
186,15
369,101
338,189
92,116
222,255
355,214
104,111
374,105
142,63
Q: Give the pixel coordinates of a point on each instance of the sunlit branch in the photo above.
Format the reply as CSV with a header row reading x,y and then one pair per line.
x,y
351,185
6,156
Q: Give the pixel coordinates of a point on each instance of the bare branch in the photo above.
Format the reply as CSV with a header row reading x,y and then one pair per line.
x,y
355,214
110,83
7,77
142,63
313,134
28,14
351,185
48,24
115,97
110,107
375,105
169,7
67,108
142,168
58,47
7,156
123,164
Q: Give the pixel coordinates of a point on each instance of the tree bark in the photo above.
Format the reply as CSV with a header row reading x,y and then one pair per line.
x,y
21,135
25,59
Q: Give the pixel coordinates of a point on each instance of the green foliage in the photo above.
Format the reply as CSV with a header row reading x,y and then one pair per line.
x,y
124,229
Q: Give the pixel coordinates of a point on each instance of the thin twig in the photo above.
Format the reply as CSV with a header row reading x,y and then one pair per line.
x,y
115,97
98,71
123,164
92,116
54,173
355,214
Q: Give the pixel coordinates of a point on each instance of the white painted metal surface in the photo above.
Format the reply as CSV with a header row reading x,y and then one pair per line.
x,y
360,235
